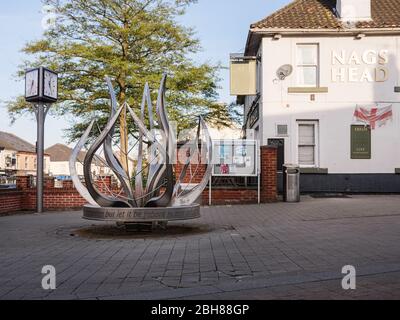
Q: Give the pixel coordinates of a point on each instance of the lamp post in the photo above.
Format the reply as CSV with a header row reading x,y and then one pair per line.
x,y
41,89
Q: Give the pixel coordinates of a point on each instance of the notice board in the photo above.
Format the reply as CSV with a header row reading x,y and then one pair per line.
x,y
361,142
235,158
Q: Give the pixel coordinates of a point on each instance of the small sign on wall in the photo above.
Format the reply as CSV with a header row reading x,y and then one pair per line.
x,y
243,77
361,142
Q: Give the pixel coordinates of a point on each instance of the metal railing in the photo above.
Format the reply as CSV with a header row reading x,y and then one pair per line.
x,y
8,182
235,182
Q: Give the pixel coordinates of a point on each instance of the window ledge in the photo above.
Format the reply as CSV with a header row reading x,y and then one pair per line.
x,y
308,90
314,171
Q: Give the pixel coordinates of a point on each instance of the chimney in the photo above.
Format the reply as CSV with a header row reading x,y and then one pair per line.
x,y
354,10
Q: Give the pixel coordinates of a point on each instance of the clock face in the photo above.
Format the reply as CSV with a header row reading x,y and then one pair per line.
x,y
32,83
50,84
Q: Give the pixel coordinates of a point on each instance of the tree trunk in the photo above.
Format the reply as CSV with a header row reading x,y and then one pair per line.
x,y
122,98
124,141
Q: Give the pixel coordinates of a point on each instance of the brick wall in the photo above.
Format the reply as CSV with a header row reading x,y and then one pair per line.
x,y
67,197
269,176
230,196
10,201
24,198
54,199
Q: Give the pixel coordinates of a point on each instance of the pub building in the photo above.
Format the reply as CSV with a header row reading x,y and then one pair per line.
x,y
320,80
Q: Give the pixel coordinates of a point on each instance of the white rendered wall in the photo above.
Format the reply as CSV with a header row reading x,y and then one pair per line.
x,y
2,160
334,109
3,155
61,168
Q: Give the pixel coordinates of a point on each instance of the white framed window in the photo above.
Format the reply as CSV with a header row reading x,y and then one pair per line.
x,y
308,144
307,65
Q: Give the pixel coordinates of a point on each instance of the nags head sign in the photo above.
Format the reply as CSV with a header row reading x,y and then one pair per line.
x,y
365,66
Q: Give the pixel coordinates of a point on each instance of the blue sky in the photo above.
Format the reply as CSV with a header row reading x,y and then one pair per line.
x,y
221,26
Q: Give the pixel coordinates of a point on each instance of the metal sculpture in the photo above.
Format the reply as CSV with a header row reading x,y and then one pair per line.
x,y
162,197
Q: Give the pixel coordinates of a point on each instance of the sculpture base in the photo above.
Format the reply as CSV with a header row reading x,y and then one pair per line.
x,y
141,215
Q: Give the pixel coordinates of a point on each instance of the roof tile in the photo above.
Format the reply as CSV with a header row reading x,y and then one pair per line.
x,y
320,14
12,142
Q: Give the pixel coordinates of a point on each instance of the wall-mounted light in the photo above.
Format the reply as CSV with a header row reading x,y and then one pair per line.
x,y
277,36
360,36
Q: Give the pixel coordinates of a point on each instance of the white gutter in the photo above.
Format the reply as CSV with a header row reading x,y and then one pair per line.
x,y
322,32
325,31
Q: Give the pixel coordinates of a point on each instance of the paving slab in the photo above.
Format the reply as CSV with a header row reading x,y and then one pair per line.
x,y
271,251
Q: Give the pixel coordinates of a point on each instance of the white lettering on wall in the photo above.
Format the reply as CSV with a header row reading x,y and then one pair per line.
x,y
354,59
353,74
369,57
340,58
349,66
367,76
339,74
383,57
381,74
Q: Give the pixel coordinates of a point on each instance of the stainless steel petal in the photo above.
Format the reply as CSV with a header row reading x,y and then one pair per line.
x,y
166,173
192,196
139,190
101,199
142,128
83,191
154,168
111,159
159,174
192,152
165,199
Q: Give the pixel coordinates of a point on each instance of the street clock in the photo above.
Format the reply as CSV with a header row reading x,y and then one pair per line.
x,y
41,89
41,85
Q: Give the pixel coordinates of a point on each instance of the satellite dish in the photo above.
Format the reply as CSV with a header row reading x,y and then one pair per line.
x,y
284,71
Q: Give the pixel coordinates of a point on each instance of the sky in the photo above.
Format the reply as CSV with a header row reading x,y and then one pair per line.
x,y
221,25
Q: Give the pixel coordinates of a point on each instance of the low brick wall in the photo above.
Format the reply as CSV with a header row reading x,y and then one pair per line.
x,y
54,199
11,201
24,197
67,197
230,196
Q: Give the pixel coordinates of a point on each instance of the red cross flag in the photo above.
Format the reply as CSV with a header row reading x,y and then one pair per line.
x,y
374,116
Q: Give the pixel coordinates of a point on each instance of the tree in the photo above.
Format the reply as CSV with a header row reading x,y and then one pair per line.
x,y
132,41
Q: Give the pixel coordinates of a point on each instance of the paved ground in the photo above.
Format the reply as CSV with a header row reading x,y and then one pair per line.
x,y
275,251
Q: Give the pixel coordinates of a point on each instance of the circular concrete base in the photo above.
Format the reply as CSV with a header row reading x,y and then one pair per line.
x,y
141,215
